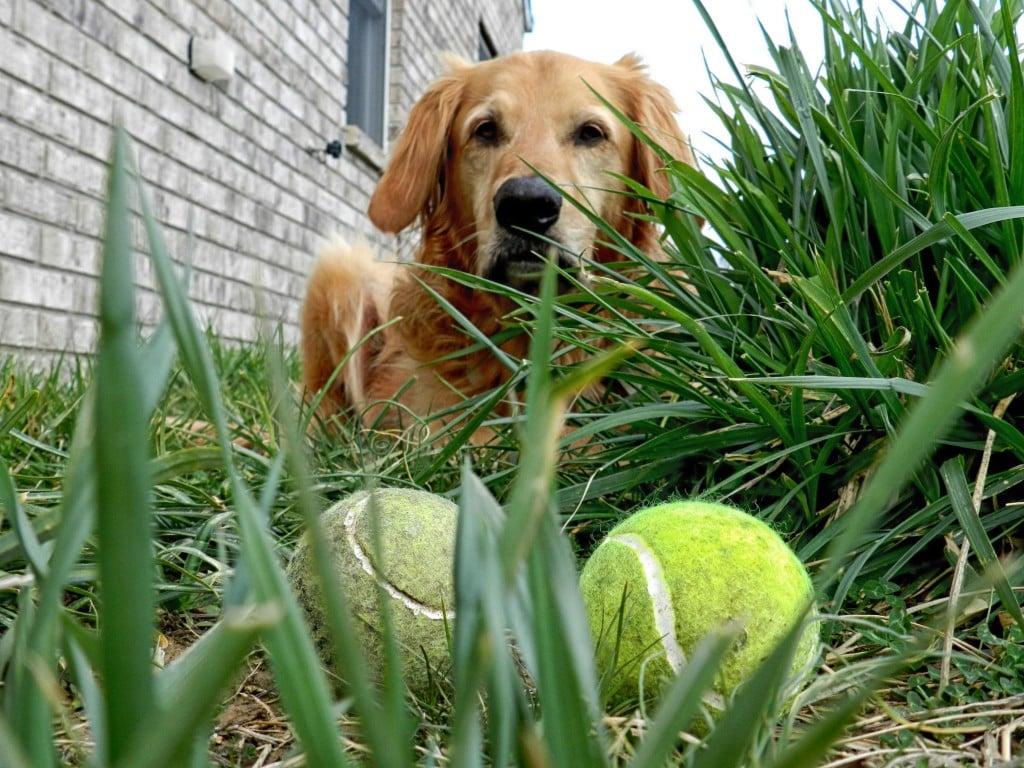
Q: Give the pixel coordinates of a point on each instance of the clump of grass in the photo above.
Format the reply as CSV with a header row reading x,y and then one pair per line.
x,y
861,256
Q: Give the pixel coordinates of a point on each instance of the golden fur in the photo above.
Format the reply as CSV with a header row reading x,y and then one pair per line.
x,y
474,130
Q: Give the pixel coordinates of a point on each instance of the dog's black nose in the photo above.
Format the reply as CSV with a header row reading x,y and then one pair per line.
x,y
527,203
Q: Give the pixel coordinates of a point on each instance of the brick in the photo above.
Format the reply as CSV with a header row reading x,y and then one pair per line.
x,y
54,331
65,124
96,21
19,327
228,233
33,286
83,333
75,171
131,12
39,199
56,248
89,216
68,251
50,33
144,54
171,210
22,149
108,68
19,236
23,60
28,107
94,138
75,88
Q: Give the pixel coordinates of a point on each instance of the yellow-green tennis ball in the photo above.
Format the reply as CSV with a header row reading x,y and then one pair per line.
x,y
687,569
413,566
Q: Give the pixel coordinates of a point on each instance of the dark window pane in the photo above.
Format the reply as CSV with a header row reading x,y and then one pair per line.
x,y
485,49
367,38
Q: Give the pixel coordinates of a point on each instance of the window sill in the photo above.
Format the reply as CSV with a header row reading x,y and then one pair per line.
x,y
363,147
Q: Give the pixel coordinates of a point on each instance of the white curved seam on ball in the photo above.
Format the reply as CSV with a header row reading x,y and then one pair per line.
x,y
661,600
357,549
664,612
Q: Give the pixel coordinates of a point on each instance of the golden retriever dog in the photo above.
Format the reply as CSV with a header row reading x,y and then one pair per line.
x,y
467,170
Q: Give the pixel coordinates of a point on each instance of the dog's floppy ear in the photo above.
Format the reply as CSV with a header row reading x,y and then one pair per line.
x,y
652,107
413,182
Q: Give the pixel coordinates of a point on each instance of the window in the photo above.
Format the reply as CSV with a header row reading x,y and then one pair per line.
x,y
367,66
485,46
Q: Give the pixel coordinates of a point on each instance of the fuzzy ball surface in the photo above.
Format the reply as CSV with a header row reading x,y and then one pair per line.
x,y
413,566
687,569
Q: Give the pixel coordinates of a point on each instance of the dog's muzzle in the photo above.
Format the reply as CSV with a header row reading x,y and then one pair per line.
x,y
526,208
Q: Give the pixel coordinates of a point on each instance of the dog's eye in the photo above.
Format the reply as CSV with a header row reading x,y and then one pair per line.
x,y
486,131
590,134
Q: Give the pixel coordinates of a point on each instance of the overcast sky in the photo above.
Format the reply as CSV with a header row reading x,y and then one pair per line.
x,y
672,38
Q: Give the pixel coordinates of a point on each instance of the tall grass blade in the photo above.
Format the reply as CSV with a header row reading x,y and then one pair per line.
x,y
303,686
820,738
565,675
488,609
386,723
970,521
936,234
123,482
682,703
11,748
751,708
190,689
527,505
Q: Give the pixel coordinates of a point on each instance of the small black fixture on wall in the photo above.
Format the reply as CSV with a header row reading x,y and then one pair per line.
x,y
333,149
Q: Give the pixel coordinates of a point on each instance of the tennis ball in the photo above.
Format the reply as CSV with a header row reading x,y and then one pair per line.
x,y
686,569
413,565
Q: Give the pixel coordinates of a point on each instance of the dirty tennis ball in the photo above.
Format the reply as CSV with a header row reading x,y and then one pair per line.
x,y
411,568
687,569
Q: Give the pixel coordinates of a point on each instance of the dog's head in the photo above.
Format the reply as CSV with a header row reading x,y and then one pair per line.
x,y
474,155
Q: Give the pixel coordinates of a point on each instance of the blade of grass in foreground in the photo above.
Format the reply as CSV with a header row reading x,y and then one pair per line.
x,y
515,575
190,689
123,483
814,743
682,703
300,679
385,718
528,502
565,675
750,708
76,516
480,658
11,748
561,648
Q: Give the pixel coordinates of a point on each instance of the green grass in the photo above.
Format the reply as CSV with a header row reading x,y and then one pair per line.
x,y
842,358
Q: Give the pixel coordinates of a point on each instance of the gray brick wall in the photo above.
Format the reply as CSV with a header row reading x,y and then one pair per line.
x,y
227,160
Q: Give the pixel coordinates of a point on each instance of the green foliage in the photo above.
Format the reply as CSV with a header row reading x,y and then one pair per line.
x,y
861,255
